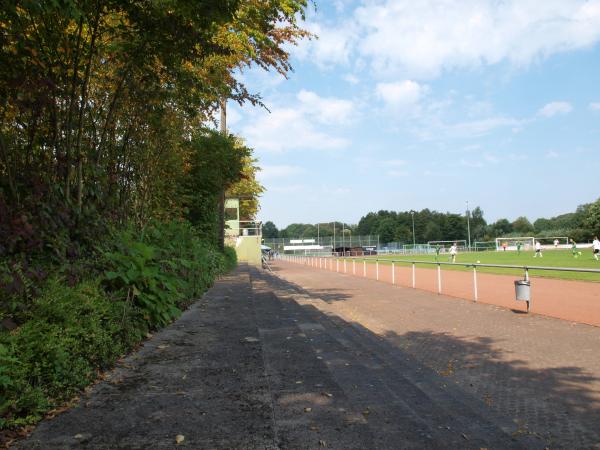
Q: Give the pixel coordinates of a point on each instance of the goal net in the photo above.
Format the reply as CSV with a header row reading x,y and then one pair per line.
x,y
515,243
482,246
445,245
528,243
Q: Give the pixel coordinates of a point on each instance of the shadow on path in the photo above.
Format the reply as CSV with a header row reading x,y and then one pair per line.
x,y
555,406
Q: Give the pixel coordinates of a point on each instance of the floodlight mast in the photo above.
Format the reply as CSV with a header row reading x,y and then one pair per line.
x,y
412,213
469,225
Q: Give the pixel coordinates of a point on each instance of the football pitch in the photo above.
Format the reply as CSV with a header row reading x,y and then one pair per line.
x,y
551,258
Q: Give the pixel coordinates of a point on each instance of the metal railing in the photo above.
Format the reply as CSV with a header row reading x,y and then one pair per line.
x,y
243,228
330,262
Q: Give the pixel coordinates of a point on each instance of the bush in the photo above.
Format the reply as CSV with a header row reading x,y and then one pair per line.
x,y
67,334
71,334
163,268
230,259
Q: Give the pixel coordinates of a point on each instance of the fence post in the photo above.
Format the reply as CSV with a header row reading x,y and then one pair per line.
x,y
393,273
353,267
439,279
475,282
377,269
364,267
413,276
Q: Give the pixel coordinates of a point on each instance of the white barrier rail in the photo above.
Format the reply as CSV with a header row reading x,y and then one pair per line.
x,y
322,262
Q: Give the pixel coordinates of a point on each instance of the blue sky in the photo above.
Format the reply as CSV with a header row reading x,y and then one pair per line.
x,y
405,105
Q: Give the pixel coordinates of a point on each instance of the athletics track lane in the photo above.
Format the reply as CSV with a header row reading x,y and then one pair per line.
x,y
541,372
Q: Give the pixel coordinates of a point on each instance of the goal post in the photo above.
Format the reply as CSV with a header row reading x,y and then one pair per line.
x,y
482,246
512,243
528,242
445,245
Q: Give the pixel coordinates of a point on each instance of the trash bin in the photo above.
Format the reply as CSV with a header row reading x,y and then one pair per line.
x,y
523,290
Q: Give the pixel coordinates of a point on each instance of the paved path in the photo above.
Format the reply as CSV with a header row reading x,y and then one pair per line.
x,y
541,373
341,363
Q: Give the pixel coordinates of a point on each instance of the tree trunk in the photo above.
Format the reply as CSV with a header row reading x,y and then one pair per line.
x,y
221,222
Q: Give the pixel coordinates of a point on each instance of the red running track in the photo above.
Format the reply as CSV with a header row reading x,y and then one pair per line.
x,y
576,301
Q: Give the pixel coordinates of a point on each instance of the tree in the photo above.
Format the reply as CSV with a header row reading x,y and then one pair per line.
x,y
215,162
500,228
386,230
592,219
433,232
248,189
269,230
99,101
522,225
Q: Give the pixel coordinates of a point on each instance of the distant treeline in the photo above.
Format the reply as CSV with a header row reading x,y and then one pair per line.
x,y
392,226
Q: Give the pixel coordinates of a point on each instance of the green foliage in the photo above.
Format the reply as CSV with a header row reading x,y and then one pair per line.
x,y
161,269
136,273
71,334
215,162
592,219
269,230
522,226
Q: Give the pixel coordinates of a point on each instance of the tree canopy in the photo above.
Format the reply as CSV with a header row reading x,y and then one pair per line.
x,y
397,226
105,107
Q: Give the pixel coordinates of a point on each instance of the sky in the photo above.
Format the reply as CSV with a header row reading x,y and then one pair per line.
x,y
404,105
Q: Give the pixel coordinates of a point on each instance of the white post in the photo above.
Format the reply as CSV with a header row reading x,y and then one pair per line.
x,y
344,266
475,282
364,267
353,267
393,273
377,269
439,279
413,276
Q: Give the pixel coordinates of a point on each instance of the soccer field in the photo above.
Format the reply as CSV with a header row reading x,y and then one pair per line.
x,y
551,258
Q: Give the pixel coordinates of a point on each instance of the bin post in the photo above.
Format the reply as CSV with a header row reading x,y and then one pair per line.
x,y
475,282
523,290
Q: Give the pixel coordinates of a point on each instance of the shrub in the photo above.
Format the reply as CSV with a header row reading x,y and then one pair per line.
x,y
67,334
71,334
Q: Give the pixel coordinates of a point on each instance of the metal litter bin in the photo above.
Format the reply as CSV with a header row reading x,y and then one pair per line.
x,y
523,292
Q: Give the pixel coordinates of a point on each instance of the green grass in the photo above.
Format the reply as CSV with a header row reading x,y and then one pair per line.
x,y
552,258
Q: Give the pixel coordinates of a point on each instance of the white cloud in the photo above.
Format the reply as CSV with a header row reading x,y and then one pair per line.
x,y
278,171
395,162
552,154
422,39
352,79
397,173
553,108
470,163
595,106
400,94
326,109
476,128
332,45
298,125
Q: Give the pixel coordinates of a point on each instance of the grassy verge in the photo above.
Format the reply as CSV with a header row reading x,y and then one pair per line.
x,y
67,334
551,258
